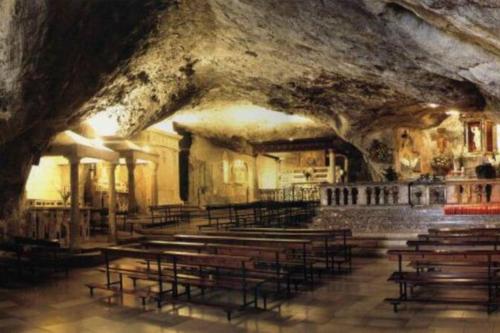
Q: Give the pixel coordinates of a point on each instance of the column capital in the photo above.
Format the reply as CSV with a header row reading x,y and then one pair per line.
x,y
130,161
73,159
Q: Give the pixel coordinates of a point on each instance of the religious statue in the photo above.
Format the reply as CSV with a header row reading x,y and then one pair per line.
x,y
476,138
409,158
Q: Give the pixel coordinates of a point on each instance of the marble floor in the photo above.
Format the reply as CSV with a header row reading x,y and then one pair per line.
x,y
348,303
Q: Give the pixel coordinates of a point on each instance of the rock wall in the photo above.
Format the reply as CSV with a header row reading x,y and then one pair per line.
x,y
357,66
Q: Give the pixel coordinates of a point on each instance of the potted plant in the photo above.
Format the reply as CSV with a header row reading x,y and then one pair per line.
x,y
441,165
390,174
64,193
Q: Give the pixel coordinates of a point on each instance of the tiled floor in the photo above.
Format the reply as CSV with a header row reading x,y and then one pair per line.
x,y
350,303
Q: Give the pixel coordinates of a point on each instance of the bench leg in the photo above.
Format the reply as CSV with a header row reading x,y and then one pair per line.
x,y
395,307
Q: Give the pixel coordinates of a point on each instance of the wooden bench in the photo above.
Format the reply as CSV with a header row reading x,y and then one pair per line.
x,y
470,231
35,256
271,263
299,248
186,269
328,248
260,213
454,242
480,280
173,214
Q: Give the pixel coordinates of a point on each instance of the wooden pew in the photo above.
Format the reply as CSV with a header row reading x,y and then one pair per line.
x,y
271,262
471,231
301,248
173,214
454,242
35,256
328,247
185,269
485,281
260,213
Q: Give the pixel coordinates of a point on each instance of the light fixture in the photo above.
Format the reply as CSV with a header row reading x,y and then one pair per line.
x,y
432,105
106,123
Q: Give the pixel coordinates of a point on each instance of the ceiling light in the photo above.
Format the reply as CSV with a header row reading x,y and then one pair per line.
x,y
106,123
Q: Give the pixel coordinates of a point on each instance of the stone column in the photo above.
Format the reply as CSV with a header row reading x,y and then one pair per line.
x,y
132,200
256,190
113,235
331,159
154,185
346,169
74,223
362,200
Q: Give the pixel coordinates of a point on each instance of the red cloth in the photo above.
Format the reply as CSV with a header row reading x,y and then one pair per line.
x,y
473,209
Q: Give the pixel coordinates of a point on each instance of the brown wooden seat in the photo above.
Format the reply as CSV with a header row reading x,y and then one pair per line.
x,y
329,247
272,264
230,273
481,276
301,249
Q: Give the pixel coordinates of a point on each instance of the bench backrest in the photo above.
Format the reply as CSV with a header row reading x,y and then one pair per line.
x,y
311,236
209,260
259,253
182,257
36,242
470,231
270,242
479,256
453,242
346,232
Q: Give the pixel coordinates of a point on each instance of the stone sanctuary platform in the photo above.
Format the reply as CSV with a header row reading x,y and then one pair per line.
x,y
377,229
392,220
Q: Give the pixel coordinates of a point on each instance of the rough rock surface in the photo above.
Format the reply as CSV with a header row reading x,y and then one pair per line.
x,y
355,66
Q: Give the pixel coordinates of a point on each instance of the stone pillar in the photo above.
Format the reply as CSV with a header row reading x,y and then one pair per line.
x,y
74,223
256,191
331,160
362,200
132,200
113,235
184,152
346,169
154,185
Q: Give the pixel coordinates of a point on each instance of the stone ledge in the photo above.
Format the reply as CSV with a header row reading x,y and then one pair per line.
x,y
394,220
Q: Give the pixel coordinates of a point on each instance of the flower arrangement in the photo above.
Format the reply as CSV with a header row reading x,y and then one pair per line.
x,y
64,193
380,152
390,174
441,164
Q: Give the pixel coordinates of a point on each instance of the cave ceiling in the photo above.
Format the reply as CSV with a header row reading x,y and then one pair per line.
x,y
351,67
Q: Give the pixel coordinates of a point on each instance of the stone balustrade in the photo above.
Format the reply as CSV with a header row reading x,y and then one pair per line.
x,y
296,193
365,194
52,223
466,191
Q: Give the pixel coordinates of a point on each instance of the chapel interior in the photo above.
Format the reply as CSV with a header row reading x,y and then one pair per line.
x,y
249,166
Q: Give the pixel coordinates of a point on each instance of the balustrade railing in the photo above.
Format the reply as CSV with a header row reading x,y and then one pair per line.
x,y
411,193
290,194
473,191
364,194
